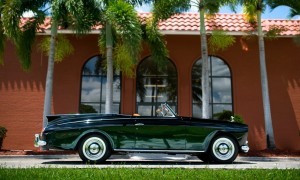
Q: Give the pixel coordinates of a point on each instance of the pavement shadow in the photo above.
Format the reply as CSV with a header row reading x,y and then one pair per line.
x,y
121,163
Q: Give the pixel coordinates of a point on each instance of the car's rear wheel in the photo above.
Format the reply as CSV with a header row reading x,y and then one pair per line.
x,y
223,149
94,149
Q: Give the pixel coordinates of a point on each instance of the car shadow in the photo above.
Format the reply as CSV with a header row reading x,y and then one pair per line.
x,y
140,163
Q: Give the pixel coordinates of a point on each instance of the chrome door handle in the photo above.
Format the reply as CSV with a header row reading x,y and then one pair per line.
x,y
139,124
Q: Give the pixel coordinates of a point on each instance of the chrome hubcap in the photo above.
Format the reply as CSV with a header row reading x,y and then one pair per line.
x,y
94,148
223,148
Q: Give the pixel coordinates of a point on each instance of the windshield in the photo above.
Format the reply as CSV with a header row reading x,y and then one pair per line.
x,y
166,111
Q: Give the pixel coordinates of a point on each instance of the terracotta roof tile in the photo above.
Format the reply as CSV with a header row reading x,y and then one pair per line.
x,y
190,22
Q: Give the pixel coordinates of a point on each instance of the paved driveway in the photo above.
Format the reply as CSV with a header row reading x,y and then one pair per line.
x,y
138,160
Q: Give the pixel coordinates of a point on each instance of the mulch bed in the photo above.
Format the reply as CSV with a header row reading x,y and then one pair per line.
x,y
271,153
251,153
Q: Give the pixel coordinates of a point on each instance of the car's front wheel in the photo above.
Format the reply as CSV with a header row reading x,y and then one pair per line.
x,y
94,149
223,149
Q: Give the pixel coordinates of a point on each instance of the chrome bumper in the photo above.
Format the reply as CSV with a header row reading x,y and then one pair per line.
x,y
245,148
38,142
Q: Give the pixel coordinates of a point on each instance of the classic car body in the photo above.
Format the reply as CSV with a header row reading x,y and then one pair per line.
x,y
97,136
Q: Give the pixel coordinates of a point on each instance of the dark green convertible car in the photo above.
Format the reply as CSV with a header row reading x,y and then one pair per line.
x,y
97,136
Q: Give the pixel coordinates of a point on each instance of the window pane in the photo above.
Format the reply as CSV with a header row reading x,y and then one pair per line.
x,y
93,67
117,90
221,107
147,110
220,86
219,68
155,85
197,110
115,108
90,91
93,87
221,90
89,108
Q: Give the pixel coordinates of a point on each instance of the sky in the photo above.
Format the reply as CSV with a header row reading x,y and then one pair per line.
x,y
280,12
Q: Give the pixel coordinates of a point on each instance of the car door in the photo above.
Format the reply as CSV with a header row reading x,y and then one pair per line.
x,y
121,130
160,133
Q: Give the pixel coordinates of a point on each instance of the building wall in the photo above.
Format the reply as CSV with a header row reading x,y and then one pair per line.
x,y
22,93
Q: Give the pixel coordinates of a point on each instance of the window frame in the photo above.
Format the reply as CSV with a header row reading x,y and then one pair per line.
x,y
211,77
102,76
157,103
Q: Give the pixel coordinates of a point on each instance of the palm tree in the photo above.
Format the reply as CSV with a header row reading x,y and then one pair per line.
x,y
164,9
253,10
122,34
206,7
79,12
83,15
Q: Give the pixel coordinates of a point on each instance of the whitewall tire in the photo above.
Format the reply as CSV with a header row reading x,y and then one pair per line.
x,y
94,149
223,149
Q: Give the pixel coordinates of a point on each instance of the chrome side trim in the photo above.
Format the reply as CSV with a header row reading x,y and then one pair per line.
x,y
158,151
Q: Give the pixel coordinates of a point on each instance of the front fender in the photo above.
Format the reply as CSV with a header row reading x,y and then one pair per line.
x,y
208,139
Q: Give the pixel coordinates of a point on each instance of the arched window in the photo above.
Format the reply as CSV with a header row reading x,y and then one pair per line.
x,y
220,87
155,84
93,87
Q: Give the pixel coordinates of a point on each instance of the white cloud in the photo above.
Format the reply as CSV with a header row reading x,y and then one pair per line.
x,y
28,14
143,8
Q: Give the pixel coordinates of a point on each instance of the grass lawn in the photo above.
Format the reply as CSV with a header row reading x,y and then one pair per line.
x,y
139,173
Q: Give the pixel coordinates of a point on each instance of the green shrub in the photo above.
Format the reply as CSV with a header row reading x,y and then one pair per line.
x,y
226,115
2,135
238,119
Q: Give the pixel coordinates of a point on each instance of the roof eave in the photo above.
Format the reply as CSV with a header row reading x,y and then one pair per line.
x,y
164,32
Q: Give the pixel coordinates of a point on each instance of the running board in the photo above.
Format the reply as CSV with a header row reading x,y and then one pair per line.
x,y
159,151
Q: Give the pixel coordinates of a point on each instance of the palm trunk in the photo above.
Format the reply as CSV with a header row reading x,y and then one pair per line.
x,y
109,58
264,85
49,78
205,70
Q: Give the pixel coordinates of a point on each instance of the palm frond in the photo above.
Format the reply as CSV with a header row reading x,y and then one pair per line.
x,y
24,41
294,5
162,10
274,31
63,47
123,60
220,41
2,44
126,25
11,12
83,14
23,37
250,12
156,43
